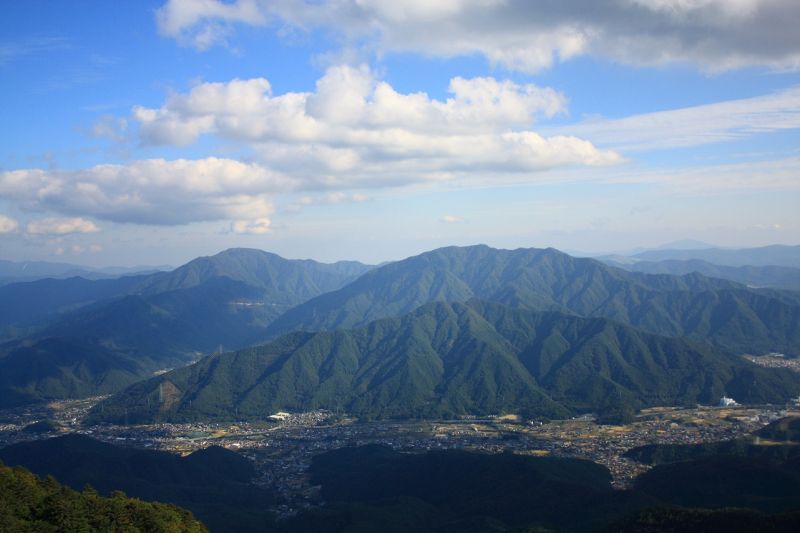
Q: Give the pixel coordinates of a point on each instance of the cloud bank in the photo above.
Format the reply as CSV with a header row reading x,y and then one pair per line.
x,y
61,226
522,35
153,191
352,132
356,130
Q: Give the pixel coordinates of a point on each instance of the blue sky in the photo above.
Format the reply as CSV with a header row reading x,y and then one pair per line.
x,y
154,132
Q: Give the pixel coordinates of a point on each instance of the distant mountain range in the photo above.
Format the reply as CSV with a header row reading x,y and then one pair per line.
x,y
547,280
20,271
773,255
123,330
68,338
443,360
777,277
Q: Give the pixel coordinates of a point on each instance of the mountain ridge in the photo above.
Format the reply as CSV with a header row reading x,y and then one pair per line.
x,y
448,359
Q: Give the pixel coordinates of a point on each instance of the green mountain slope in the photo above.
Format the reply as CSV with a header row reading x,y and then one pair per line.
x,y
58,367
28,503
144,324
692,305
450,359
284,281
225,299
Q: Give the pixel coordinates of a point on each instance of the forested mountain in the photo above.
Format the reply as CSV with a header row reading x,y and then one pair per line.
x,y
227,299
778,277
693,305
28,503
26,303
57,367
452,359
279,283
283,281
241,297
138,325
214,483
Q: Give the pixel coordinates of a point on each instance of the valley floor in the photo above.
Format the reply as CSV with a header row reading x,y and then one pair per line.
x,y
282,449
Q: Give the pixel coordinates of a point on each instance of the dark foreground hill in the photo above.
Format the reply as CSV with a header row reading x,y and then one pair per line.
x,y
376,489
779,441
458,491
452,359
720,311
373,488
28,503
213,483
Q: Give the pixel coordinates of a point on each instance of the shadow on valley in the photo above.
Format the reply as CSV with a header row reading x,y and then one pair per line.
x,y
214,483
374,488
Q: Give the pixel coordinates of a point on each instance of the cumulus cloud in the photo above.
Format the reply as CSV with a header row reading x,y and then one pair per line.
x,y
204,23
8,225
524,35
694,126
356,130
258,226
152,191
61,226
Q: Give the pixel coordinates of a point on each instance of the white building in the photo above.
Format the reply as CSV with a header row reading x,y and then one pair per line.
x,y
727,402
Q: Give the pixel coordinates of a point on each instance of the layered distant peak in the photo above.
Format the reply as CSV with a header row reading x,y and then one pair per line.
x,y
257,268
773,255
543,279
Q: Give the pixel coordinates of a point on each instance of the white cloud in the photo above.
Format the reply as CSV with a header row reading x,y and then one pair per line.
x,y
61,226
204,23
693,126
151,191
258,226
451,219
524,35
355,130
8,225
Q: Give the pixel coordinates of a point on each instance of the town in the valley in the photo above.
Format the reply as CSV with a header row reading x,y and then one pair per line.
x,y
283,444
